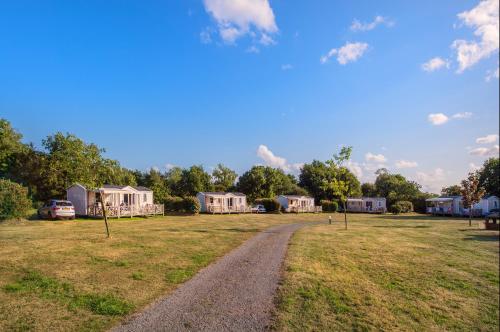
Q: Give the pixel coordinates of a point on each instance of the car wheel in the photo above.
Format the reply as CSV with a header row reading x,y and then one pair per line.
x,y
51,216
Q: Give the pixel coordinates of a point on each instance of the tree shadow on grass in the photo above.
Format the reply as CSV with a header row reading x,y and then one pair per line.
x,y
416,217
402,226
483,237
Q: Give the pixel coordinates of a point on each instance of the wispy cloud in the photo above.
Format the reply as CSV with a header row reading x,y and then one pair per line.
x,y
350,52
236,19
406,164
366,26
485,152
438,119
432,181
435,64
491,74
286,66
462,115
378,158
487,139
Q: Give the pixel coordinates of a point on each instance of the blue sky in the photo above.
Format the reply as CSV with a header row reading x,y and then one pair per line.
x,y
411,85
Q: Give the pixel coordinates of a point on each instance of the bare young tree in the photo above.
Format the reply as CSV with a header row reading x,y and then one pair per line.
x,y
471,193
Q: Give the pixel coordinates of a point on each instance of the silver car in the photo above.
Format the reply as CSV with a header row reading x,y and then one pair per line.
x,y
57,209
259,208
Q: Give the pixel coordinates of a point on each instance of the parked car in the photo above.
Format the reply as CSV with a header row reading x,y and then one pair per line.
x,y
57,209
259,208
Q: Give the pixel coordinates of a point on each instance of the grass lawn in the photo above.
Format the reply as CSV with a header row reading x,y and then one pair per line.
x,y
410,273
65,275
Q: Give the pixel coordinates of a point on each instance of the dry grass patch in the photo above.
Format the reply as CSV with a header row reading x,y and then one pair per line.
x,y
65,275
391,273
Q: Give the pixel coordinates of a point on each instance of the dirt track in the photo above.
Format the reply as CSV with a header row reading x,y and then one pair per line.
x,y
234,294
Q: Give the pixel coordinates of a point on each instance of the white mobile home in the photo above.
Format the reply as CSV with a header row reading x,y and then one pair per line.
x,y
223,202
120,201
367,204
297,203
453,205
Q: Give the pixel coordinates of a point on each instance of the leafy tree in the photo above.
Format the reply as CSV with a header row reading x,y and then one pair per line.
x,y
10,145
318,177
194,180
471,193
173,181
395,187
223,178
489,176
14,202
155,181
454,190
268,182
368,190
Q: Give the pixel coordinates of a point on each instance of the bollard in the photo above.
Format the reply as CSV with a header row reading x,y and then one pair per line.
x,y
330,220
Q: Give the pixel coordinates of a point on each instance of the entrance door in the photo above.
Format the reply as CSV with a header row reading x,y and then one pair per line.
x,y
369,206
230,203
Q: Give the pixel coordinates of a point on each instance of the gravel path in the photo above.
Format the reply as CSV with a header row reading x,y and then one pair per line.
x,y
234,294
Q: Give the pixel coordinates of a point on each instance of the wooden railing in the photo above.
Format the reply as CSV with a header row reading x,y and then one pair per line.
x,y
228,209
126,210
299,209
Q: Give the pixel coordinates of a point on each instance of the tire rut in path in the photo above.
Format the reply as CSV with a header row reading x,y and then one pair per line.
x,y
236,293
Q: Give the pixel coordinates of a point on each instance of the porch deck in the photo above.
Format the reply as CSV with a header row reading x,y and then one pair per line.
x,y
228,209
126,210
304,209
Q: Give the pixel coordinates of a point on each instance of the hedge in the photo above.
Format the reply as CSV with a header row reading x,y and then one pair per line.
x,y
270,204
401,207
14,201
188,204
191,205
329,206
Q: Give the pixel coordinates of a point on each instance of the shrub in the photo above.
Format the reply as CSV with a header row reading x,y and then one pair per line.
x,y
14,201
191,205
329,206
270,204
401,207
395,208
173,204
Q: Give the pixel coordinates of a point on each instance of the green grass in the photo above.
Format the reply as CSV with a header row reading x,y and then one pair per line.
x,y
65,275
408,273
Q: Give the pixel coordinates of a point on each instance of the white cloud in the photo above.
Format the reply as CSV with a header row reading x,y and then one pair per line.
x,y
432,181
484,20
360,26
355,168
485,152
205,36
462,115
286,66
435,64
378,158
266,40
350,52
437,119
487,139
406,164
490,74
236,18
272,160
253,49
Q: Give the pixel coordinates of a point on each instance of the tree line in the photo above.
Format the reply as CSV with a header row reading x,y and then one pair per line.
x,y
65,159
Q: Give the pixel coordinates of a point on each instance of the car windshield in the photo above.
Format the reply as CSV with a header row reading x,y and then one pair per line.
x,y
64,204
